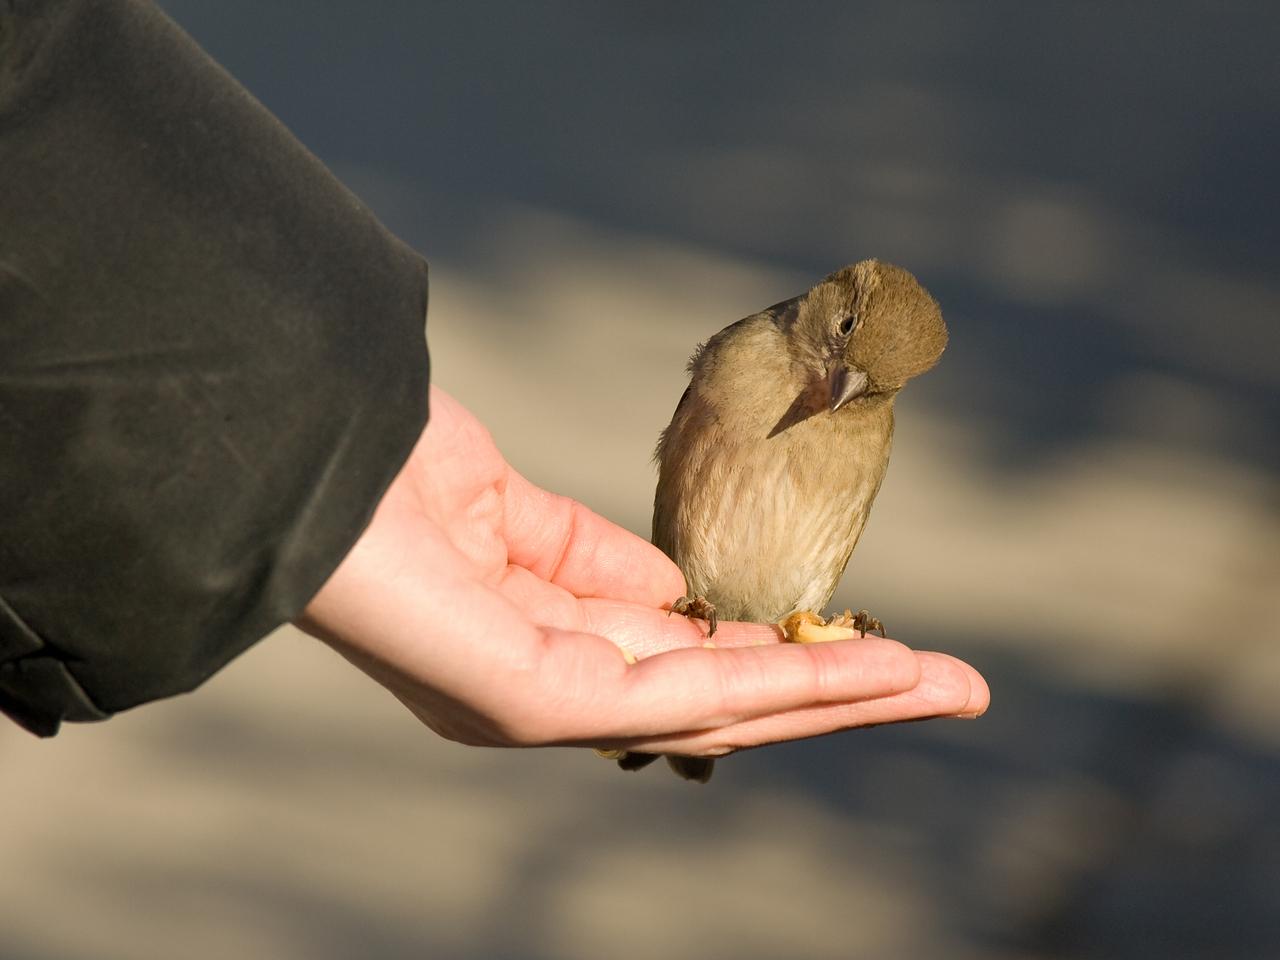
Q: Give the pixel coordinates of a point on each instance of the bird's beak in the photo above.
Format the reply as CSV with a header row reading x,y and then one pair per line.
x,y
844,384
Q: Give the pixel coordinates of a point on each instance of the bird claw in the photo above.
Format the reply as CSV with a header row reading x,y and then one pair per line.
x,y
696,608
862,621
804,626
865,622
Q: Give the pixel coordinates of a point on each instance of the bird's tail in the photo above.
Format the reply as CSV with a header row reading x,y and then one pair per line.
x,y
698,769
692,768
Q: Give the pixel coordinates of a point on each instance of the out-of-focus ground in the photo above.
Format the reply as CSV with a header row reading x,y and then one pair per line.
x,y
1082,499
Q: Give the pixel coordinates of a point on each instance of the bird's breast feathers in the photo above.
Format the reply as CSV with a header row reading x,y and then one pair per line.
x,y
764,525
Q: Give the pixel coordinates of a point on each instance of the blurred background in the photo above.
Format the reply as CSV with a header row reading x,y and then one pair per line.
x,y
1082,500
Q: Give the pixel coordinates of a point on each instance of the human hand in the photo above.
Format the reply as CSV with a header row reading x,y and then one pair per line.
x,y
495,612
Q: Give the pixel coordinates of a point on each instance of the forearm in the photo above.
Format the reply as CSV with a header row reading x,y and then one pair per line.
x,y
211,364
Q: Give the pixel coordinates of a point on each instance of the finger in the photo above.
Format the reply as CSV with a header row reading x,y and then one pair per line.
x,y
948,687
696,688
566,544
979,692
543,602
644,632
640,630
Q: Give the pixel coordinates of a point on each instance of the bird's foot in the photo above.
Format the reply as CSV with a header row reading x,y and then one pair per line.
x,y
862,621
697,769
805,626
697,608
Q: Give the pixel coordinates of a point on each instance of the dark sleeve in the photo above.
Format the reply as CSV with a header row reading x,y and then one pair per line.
x,y
212,363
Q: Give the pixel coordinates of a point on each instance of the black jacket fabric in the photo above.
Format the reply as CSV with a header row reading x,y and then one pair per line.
x,y
212,363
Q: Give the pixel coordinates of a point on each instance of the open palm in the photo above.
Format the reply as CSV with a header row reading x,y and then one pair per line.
x,y
498,613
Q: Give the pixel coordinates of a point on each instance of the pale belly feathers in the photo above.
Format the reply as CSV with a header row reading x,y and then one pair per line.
x,y
767,528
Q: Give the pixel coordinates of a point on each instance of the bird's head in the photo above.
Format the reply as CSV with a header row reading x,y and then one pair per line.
x,y
871,327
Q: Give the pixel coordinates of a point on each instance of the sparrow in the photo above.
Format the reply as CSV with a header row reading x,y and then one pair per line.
x,y
776,451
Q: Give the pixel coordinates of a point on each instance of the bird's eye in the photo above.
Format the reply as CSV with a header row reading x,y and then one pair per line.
x,y
846,326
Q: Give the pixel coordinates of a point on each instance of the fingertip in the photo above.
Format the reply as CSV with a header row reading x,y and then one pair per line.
x,y
666,582
953,686
608,560
645,575
979,694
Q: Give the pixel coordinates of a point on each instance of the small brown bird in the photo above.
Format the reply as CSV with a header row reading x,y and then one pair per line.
x,y
776,451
